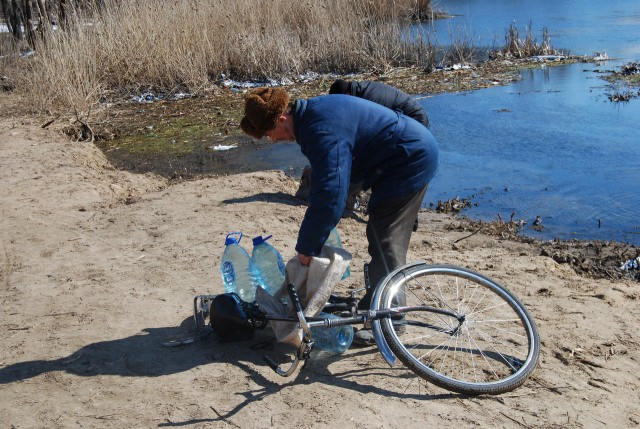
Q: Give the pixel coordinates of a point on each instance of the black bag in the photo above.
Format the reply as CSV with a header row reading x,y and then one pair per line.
x,y
229,319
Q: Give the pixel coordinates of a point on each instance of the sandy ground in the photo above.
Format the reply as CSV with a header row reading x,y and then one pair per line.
x,y
99,267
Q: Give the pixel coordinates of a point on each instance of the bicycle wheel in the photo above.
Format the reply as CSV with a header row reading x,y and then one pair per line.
x,y
482,340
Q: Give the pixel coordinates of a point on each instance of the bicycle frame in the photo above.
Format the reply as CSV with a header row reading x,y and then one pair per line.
x,y
370,316
427,317
367,318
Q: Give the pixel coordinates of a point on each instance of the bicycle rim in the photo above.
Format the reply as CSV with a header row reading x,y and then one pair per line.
x,y
491,348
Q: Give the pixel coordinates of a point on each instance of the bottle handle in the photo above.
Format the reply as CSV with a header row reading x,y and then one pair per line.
x,y
238,233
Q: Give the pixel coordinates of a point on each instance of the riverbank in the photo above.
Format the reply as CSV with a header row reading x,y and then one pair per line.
x,y
99,267
174,136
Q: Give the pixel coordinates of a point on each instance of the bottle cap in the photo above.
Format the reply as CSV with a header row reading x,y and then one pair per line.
x,y
259,240
232,240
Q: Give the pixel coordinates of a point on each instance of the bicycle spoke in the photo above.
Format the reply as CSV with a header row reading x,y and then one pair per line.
x,y
484,357
473,294
436,304
422,357
496,341
504,331
484,310
473,363
507,361
489,347
478,303
420,337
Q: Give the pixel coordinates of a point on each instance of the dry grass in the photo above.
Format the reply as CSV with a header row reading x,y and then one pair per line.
x,y
186,44
462,49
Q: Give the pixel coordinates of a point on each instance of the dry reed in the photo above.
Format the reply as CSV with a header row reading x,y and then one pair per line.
x,y
524,48
186,44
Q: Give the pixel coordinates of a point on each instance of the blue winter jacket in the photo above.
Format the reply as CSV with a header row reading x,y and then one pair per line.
x,y
348,139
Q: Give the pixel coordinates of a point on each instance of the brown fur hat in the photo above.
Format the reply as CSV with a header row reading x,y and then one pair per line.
x,y
262,107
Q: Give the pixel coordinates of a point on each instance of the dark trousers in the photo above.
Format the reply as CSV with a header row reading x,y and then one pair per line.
x,y
388,233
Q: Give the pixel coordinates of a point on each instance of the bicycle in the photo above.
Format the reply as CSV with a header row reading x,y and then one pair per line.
x,y
451,326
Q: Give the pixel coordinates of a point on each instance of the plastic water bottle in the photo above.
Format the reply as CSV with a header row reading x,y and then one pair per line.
x,y
239,275
334,241
336,339
268,261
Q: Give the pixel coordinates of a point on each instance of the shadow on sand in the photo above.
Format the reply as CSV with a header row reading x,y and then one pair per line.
x,y
144,355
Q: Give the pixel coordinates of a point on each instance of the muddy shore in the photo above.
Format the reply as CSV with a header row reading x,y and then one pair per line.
x,y
176,138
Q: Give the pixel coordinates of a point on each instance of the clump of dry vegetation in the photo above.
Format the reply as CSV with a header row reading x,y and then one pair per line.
x,y
185,45
596,259
453,205
498,228
625,82
517,47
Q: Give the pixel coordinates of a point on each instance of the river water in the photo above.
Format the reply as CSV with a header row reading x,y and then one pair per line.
x,y
551,145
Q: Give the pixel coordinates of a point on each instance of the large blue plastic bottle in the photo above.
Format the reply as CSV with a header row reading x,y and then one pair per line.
x,y
268,261
239,275
334,241
336,339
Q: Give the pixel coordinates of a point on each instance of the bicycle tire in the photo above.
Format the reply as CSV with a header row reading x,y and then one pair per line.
x,y
493,350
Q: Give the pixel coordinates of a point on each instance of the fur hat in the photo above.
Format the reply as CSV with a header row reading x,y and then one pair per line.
x,y
262,107
340,86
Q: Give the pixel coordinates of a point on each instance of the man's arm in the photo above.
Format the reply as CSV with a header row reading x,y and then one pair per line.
x,y
330,160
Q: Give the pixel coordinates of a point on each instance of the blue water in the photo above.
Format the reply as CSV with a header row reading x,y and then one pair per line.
x,y
580,26
552,144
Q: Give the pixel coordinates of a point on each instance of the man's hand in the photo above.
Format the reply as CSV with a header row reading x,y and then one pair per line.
x,y
304,259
